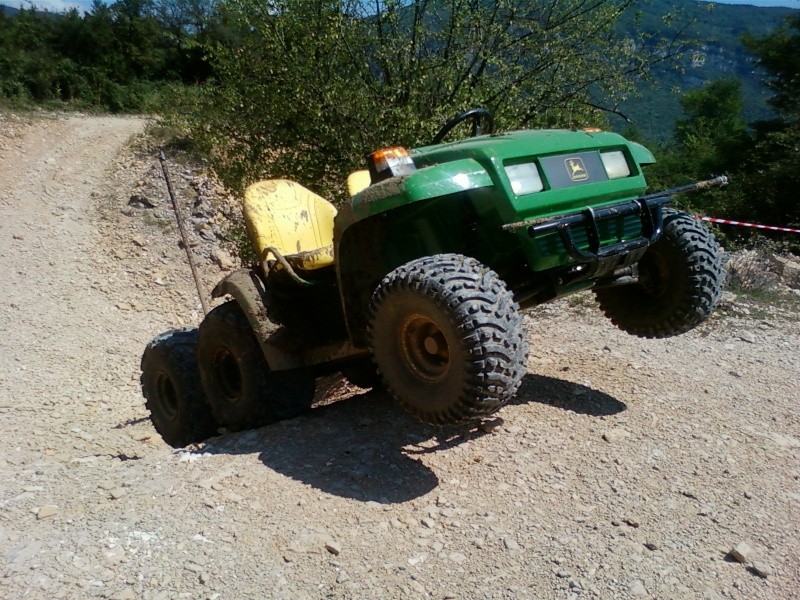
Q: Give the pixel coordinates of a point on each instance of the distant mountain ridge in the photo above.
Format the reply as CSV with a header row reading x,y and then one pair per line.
x,y
7,10
718,29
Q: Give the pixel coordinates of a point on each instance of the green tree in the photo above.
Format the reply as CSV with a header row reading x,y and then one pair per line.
x,y
117,56
713,132
711,139
189,24
303,88
27,63
778,55
762,160
771,173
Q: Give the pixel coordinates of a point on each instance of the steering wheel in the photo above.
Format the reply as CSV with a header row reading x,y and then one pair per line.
x,y
476,115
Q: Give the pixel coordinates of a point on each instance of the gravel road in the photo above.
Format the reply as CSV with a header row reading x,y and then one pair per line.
x,y
624,468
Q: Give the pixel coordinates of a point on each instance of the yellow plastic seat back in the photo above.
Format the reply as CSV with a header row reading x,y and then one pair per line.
x,y
357,182
295,221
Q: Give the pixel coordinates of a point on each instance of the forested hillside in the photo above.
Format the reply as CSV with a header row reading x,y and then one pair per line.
x,y
712,40
121,56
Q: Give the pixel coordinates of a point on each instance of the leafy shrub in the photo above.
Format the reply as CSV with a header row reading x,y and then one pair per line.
x,y
304,88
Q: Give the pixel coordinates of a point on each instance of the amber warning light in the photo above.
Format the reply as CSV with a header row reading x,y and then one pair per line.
x,y
389,162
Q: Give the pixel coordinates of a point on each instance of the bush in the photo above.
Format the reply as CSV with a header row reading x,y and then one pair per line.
x,y
304,88
119,57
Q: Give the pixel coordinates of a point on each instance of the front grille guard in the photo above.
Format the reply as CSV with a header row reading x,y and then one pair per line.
x,y
647,209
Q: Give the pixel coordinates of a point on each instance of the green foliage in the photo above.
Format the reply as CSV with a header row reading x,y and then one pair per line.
x,y
713,133
121,57
708,46
777,53
770,179
304,88
772,169
763,160
709,141
717,106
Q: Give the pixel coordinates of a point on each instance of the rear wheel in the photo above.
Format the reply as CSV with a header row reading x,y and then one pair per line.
x,y
171,387
240,388
680,282
448,339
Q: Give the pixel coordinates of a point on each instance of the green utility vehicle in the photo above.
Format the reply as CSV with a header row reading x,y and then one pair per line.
x,y
418,282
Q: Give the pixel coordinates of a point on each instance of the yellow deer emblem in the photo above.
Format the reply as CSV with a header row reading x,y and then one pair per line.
x,y
576,170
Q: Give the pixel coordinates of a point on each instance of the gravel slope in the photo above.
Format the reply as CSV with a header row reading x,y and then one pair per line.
x,y
625,468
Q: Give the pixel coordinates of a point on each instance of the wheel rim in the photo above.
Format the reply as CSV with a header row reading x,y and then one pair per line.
x,y
227,375
424,348
653,274
167,395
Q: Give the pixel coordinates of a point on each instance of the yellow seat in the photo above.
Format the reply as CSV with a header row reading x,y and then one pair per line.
x,y
284,215
357,182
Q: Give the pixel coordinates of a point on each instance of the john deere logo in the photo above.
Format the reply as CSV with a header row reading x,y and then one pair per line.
x,y
575,169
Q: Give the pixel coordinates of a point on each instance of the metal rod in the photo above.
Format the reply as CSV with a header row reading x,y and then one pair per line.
x,y
184,238
720,181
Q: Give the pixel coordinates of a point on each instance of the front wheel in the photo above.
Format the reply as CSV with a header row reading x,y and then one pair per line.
x,y
448,339
680,282
242,391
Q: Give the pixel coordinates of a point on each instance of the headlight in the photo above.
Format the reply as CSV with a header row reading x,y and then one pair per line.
x,y
524,178
615,164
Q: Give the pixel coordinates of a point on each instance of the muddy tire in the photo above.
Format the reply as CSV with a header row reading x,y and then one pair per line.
x,y
171,387
241,390
448,339
680,281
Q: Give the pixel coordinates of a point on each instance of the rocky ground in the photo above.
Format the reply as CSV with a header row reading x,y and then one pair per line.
x,y
624,468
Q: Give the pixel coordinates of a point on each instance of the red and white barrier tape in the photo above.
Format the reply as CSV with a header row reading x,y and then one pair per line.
x,y
742,224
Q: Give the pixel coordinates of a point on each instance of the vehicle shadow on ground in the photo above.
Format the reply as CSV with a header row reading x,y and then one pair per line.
x,y
353,448
364,447
569,396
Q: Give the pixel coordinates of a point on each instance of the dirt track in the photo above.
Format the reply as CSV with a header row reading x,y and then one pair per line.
x,y
625,467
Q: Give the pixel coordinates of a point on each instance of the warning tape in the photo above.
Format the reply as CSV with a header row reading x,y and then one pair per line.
x,y
743,224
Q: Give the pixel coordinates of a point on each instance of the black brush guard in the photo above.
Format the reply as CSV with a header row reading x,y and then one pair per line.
x,y
648,209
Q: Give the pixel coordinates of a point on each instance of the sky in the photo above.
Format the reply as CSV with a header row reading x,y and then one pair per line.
x,y
59,5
